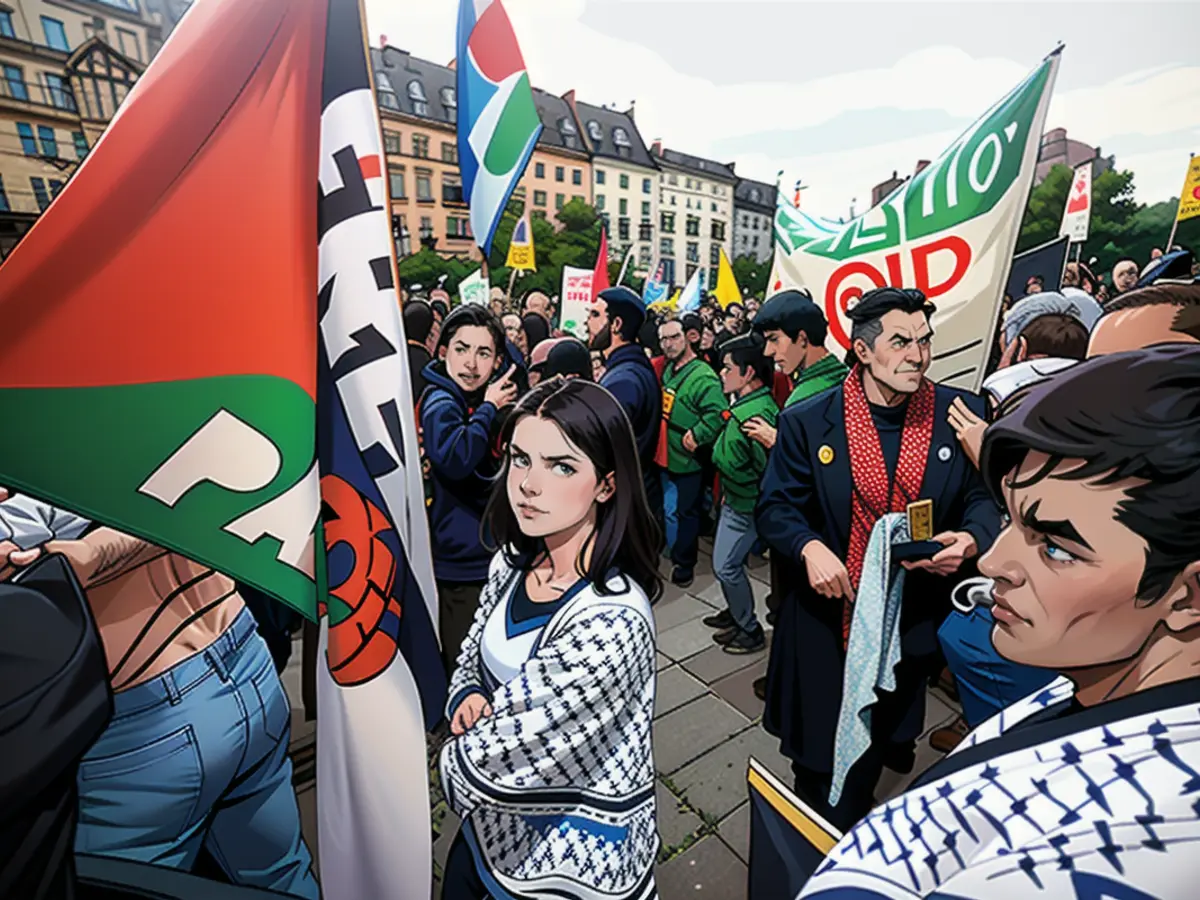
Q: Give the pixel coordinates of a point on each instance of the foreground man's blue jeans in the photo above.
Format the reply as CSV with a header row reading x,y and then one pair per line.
x,y
735,538
987,682
198,757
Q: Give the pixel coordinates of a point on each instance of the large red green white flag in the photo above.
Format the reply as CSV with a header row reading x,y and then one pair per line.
x,y
202,346
950,231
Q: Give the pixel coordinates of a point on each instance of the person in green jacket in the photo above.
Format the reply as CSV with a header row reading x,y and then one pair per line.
x,y
692,408
794,329
745,374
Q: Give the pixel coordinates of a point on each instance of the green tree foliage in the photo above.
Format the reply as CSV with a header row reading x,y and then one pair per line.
x,y
1119,227
751,275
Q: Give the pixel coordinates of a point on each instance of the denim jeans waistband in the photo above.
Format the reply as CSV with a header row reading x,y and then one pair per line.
x,y
172,684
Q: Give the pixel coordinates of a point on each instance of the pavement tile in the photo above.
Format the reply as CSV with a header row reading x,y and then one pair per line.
x,y
738,689
692,730
674,822
708,869
715,784
685,640
679,609
661,662
675,688
714,663
734,830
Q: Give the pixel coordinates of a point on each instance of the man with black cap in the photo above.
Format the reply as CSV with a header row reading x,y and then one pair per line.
x,y
613,325
842,460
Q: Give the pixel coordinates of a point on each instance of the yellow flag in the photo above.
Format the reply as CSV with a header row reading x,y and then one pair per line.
x,y
520,248
727,290
1189,197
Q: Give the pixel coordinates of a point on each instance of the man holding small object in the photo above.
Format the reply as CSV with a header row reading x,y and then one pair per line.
x,y
842,460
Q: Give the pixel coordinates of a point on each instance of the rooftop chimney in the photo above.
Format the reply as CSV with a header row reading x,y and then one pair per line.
x,y
656,147
629,112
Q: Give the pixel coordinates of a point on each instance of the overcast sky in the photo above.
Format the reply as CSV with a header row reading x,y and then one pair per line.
x,y
840,94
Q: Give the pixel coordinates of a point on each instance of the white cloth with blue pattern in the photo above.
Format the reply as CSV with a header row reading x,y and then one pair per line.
x,y
874,649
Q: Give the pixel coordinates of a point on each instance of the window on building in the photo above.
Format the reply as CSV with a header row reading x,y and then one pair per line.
x,y
672,199
426,228
595,132
81,144
424,185
391,142
452,191
539,198
693,252
755,195
539,170
396,183
6,30
599,176
623,229
539,214
402,236
560,201
576,176
59,94
28,142
449,103
646,210
666,247
688,184
56,37
56,187
420,102
714,254
668,223
624,205
714,207
624,180
420,146
48,141
646,230
449,152
644,256
14,79
712,276
570,134
458,227
756,242
645,185
128,43
559,174
600,201
693,226
387,93
718,231
622,142
40,193
673,179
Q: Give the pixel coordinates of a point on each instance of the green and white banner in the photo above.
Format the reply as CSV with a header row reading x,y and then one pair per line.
x,y
949,231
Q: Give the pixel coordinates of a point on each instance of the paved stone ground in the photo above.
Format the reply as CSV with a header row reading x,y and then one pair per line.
x,y
707,725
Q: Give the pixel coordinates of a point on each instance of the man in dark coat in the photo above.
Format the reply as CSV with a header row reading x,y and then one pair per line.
x,y
842,460
613,325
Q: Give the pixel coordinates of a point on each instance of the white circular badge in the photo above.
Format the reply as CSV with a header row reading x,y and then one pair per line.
x,y
944,454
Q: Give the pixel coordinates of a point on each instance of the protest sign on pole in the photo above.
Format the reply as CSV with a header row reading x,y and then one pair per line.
x,y
1189,198
1078,211
949,231
474,289
576,300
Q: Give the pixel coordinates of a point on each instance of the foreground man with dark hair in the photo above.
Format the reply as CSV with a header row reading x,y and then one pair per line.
x,y
1089,788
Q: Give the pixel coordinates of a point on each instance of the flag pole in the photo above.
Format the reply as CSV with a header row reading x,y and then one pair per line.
x,y
1178,206
512,279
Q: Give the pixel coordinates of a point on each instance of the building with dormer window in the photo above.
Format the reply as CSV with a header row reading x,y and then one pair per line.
x,y
698,195
625,181
753,220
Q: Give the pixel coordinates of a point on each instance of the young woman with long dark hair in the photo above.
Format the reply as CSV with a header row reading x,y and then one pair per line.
x,y
550,764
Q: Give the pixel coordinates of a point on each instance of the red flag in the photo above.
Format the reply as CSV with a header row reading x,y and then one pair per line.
x,y
600,274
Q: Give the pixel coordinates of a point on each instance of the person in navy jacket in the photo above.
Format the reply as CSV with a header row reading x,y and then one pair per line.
x,y
459,416
843,459
613,325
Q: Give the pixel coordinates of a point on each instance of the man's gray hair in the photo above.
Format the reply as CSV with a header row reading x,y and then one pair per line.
x,y
868,332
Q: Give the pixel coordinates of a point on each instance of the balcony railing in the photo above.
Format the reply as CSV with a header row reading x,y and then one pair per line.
x,y
38,95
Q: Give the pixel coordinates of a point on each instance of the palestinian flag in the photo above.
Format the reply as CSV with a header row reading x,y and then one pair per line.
x,y
203,347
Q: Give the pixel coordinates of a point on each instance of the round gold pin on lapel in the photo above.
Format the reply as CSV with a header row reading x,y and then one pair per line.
x,y
825,455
